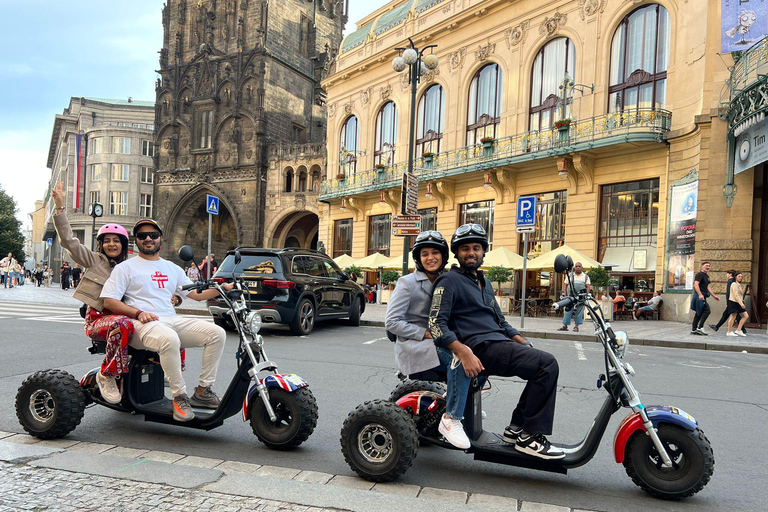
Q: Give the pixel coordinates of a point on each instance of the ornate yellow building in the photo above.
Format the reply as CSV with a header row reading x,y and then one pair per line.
x,y
606,110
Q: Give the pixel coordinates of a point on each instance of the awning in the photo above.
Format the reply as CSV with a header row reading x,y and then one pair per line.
x,y
630,259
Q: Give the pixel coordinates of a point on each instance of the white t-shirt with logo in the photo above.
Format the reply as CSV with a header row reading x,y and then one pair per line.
x,y
146,285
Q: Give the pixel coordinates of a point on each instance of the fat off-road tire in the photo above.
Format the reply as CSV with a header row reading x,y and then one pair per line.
x,y
50,404
379,441
296,418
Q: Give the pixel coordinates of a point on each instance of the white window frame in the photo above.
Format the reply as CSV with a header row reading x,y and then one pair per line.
x,y
145,206
147,175
121,145
96,176
118,203
125,172
147,148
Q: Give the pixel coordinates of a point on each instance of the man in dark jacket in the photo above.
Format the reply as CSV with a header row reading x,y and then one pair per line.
x,y
466,318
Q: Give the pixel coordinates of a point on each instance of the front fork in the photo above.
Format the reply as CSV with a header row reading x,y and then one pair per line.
x,y
260,387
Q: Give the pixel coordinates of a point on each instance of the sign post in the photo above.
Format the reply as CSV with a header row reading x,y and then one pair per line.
x,y
525,224
212,206
409,207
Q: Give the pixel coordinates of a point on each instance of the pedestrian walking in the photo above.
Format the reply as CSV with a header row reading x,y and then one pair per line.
x,y
701,291
66,274
193,273
47,276
581,283
736,306
77,273
8,266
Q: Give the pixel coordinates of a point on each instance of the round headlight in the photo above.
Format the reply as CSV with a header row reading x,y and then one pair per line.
x,y
254,322
622,340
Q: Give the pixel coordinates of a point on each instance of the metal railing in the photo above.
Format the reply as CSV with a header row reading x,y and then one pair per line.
x,y
629,125
752,66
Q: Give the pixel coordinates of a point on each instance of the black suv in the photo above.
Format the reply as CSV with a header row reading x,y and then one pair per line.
x,y
291,286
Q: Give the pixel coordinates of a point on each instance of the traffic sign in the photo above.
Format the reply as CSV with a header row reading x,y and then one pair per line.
x,y
49,242
410,205
212,204
406,225
526,214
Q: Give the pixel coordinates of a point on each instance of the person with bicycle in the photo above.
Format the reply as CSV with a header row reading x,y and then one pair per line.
x,y
141,288
416,355
465,318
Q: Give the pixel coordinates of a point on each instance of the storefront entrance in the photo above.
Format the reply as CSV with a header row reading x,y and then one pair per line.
x,y
760,276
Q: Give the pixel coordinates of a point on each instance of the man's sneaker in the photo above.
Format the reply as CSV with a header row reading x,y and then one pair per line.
x,y
182,411
702,332
713,327
453,432
206,399
696,332
538,446
739,333
108,388
511,434
731,334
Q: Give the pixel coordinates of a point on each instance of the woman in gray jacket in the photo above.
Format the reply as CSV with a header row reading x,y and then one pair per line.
x,y
100,324
416,354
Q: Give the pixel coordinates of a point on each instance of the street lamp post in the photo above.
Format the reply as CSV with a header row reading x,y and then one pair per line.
x,y
417,63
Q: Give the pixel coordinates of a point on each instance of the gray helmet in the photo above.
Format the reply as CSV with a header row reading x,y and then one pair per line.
x,y
433,239
467,234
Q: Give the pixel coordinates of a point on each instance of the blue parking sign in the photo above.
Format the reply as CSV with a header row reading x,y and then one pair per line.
x,y
212,204
526,214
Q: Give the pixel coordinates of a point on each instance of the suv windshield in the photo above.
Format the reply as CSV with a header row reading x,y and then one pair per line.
x,y
253,264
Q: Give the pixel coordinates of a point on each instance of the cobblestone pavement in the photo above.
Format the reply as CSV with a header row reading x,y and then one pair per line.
x,y
30,293
38,489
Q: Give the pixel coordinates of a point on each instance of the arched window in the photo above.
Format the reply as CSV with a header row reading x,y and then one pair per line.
x,y
554,60
303,180
430,120
348,149
639,60
288,180
484,104
386,135
315,180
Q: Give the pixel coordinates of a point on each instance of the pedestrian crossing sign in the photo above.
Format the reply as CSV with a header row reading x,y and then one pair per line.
x,y
212,204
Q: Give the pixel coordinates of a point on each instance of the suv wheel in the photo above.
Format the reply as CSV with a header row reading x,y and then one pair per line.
x,y
304,320
354,311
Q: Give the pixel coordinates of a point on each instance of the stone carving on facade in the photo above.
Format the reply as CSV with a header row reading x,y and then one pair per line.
x,y
331,110
348,107
516,35
550,25
456,59
203,163
483,52
300,202
365,95
385,92
431,74
404,81
164,178
591,7
234,175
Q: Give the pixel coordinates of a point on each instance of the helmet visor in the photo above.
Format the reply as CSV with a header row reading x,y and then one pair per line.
x,y
475,229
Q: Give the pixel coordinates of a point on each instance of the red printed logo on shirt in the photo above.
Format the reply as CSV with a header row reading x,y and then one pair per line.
x,y
160,279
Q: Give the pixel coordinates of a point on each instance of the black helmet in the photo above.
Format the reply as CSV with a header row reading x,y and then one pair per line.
x,y
467,234
433,239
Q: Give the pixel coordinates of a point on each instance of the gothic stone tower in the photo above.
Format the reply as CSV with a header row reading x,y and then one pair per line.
x,y
237,76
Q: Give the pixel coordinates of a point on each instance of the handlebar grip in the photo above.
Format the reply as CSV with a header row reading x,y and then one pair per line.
x,y
568,301
188,286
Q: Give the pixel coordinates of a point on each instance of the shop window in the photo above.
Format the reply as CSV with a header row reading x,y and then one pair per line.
x,y
480,213
379,232
342,237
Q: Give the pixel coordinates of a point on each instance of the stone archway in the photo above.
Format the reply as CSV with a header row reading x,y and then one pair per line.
x,y
189,225
296,229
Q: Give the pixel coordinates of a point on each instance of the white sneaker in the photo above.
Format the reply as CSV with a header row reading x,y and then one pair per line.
x,y
740,333
108,388
453,432
731,334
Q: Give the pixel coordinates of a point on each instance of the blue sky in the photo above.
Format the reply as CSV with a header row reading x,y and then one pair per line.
x,y
54,50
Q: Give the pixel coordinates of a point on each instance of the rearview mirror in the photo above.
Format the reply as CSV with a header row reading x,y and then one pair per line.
x,y
238,258
563,263
186,253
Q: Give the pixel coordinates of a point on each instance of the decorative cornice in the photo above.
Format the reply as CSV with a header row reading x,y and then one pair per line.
x,y
456,59
591,7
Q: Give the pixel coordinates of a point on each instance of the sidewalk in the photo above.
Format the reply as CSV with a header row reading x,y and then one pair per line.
x,y
641,332
67,475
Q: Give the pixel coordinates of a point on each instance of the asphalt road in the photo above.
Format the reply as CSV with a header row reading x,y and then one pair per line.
x,y
346,366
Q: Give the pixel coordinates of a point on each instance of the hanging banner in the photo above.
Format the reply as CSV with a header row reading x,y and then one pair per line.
x,y
751,147
681,248
743,22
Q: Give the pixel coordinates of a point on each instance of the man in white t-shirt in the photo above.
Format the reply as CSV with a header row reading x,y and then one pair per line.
x,y
581,282
141,288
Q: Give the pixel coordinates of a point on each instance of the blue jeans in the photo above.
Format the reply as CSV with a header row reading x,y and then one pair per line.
x,y
458,383
578,316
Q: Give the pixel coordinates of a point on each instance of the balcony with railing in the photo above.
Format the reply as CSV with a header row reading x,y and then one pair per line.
x,y
747,87
636,125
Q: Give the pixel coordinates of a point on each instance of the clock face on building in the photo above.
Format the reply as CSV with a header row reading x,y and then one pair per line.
x,y
98,210
744,150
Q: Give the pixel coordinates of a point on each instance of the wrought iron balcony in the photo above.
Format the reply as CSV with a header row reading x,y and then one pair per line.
x,y
747,88
636,125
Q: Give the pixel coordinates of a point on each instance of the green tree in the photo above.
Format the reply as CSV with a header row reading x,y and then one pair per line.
x,y
389,276
11,237
498,275
599,277
354,269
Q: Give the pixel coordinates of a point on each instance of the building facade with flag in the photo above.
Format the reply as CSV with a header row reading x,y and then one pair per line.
x,y
611,112
101,149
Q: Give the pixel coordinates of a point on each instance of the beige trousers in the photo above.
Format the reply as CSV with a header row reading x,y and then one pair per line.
x,y
167,335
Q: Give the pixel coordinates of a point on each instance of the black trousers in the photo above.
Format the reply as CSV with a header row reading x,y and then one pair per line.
x,y
535,410
698,320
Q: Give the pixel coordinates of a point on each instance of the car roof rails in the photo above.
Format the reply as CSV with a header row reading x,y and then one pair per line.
x,y
286,249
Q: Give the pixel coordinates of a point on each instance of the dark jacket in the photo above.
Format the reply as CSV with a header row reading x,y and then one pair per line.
x,y
462,311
